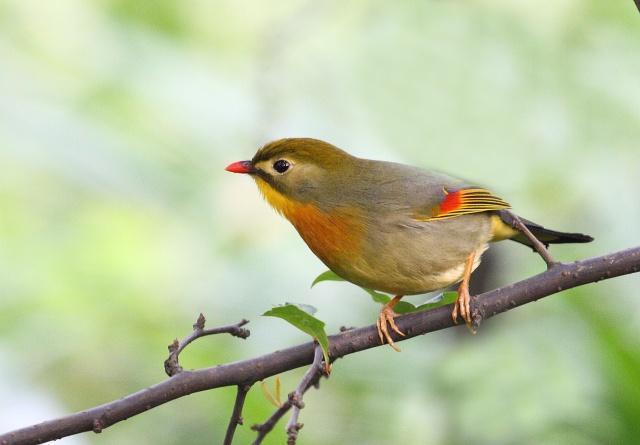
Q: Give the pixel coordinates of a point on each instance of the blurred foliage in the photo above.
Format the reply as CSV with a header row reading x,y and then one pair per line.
x,y
118,224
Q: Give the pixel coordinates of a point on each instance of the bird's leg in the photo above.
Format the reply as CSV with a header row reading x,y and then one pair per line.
x,y
386,317
462,305
537,244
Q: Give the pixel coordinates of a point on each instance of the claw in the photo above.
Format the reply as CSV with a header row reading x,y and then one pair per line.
x,y
462,306
385,318
393,325
454,312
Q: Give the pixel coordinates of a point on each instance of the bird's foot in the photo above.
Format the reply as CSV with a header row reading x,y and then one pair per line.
x,y
385,318
462,307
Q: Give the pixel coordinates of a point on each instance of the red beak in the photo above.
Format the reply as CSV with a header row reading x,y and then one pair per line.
x,y
241,167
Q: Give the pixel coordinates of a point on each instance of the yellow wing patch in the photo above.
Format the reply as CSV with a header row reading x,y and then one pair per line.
x,y
464,202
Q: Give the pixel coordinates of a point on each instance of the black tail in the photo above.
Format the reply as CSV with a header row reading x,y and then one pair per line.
x,y
546,236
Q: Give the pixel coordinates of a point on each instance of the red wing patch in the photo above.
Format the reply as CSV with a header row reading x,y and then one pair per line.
x,y
464,202
451,202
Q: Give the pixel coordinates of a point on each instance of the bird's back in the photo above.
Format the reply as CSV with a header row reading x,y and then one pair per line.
x,y
383,187
399,253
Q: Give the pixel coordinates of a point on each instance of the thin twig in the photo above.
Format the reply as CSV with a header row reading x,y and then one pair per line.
x,y
537,245
550,282
310,378
266,427
172,364
236,416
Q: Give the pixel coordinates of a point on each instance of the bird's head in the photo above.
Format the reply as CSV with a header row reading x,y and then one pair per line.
x,y
299,170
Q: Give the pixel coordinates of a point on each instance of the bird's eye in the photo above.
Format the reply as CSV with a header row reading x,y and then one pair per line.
x,y
281,166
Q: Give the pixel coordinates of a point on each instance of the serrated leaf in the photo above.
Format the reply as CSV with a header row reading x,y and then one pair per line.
x,y
307,323
327,276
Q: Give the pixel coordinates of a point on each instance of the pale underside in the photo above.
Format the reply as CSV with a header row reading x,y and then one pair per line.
x,y
415,258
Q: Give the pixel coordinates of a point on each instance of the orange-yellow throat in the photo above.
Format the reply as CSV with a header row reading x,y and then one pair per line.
x,y
332,236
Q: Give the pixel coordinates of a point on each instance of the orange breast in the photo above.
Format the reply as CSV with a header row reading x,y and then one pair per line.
x,y
332,236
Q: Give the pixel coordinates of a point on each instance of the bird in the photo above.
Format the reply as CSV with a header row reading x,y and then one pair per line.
x,y
387,226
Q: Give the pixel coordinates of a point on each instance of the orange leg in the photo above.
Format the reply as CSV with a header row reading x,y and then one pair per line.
x,y
386,317
462,305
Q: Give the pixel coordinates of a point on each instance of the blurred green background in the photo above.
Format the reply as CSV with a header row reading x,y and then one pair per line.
x,y
118,224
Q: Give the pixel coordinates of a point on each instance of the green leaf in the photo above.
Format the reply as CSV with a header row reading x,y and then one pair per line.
x,y
447,298
311,310
327,276
377,296
330,275
404,307
434,298
304,321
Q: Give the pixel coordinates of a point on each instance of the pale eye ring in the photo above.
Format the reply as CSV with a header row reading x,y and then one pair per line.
x,y
281,165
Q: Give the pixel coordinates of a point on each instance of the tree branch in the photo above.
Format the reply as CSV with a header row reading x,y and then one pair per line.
x,y
554,280
172,365
236,416
310,378
537,244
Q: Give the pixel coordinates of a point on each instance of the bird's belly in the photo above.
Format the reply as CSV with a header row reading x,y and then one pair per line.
x,y
417,259
449,276
419,282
